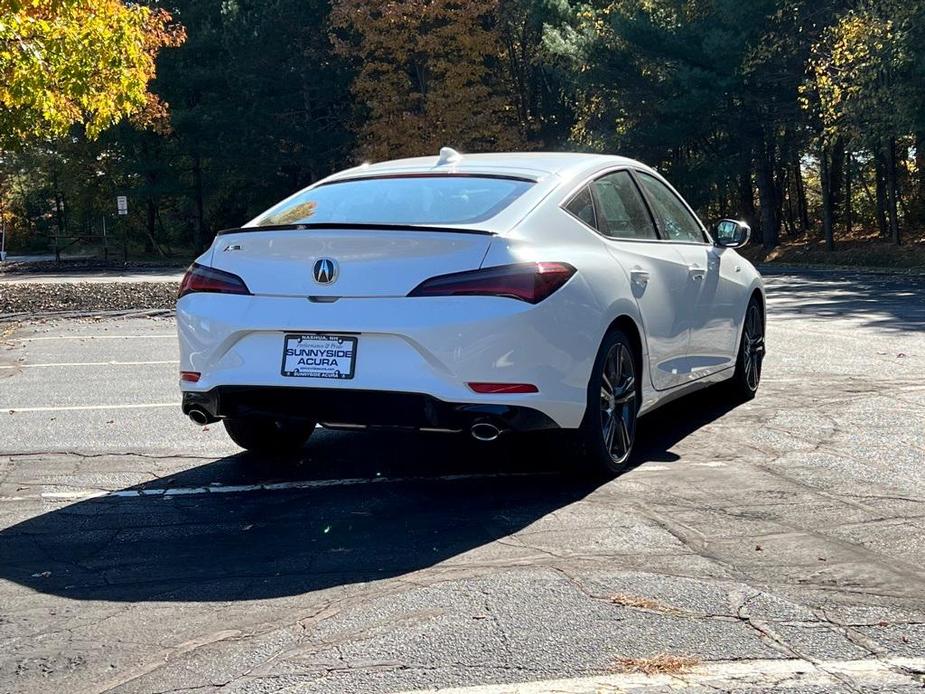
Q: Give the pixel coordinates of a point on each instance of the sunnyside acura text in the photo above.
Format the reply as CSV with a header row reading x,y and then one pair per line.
x,y
478,293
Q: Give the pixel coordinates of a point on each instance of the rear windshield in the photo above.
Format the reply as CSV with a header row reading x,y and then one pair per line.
x,y
424,200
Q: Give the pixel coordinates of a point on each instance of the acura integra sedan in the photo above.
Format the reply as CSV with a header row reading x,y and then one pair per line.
x,y
480,294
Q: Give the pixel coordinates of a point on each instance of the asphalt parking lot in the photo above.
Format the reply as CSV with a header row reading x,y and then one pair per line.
x,y
779,543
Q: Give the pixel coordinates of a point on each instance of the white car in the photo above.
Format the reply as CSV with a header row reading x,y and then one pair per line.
x,y
481,293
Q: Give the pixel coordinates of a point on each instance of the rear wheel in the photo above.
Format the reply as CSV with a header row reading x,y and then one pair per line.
x,y
266,435
747,378
608,432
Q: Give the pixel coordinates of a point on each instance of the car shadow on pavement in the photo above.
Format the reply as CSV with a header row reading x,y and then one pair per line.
x,y
414,501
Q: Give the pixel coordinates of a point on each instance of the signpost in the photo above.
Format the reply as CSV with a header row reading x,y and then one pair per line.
x,y
122,207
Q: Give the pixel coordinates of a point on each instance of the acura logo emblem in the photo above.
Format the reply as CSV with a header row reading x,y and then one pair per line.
x,y
325,271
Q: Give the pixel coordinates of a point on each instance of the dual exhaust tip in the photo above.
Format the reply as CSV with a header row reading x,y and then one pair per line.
x,y
200,417
485,432
480,431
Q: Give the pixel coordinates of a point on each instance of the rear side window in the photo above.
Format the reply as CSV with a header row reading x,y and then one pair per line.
x,y
424,200
674,219
621,212
583,207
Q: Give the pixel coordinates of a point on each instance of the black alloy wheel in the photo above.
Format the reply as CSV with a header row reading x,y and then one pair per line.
x,y
747,378
608,432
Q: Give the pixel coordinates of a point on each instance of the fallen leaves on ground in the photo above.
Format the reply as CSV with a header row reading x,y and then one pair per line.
x,y
662,664
640,603
34,299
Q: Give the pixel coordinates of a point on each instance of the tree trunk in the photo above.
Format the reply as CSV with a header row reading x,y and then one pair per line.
x,y
892,191
837,177
920,169
802,207
880,176
747,199
199,233
828,216
780,187
767,197
790,218
59,224
849,201
150,222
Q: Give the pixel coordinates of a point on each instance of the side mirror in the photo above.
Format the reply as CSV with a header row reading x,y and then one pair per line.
x,y
729,233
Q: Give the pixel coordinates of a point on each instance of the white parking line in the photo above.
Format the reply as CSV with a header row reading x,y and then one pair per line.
x,y
78,408
167,336
89,363
217,488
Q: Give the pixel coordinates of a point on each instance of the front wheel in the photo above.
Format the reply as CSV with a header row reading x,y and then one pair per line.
x,y
266,435
608,431
744,384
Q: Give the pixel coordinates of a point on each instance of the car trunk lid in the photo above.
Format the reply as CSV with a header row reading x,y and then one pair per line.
x,y
368,260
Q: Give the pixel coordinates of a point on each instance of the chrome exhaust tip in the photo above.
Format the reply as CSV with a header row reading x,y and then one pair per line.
x,y
485,431
198,416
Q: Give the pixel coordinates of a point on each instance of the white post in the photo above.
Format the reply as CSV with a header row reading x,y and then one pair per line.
x,y
2,240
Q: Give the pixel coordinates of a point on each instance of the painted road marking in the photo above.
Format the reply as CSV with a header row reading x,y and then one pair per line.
x,y
89,363
80,408
738,675
167,336
217,488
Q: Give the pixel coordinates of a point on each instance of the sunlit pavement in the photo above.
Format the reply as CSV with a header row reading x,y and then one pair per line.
x,y
139,553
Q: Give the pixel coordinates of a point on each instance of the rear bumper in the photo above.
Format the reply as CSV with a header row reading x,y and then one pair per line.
x,y
433,346
359,408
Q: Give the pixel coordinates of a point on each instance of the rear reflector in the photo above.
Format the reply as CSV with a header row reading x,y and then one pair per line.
x,y
489,388
190,376
202,279
530,282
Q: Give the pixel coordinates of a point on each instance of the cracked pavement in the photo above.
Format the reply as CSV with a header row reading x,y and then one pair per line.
x,y
787,530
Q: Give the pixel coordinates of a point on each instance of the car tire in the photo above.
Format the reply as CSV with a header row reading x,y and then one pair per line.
x,y
744,383
265,435
608,432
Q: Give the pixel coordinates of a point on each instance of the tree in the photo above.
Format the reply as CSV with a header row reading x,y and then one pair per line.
x,y
857,91
67,62
679,85
427,75
537,81
258,102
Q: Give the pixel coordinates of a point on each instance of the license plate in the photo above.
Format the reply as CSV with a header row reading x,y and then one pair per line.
x,y
319,356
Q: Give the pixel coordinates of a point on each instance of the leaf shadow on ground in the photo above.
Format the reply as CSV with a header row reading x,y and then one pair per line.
x,y
894,304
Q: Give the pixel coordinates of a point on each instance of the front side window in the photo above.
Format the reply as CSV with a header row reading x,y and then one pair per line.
x,y
621,212
674,219
424,200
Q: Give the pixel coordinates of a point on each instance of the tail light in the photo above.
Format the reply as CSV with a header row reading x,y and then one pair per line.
x,y
530,282
200,278
498,388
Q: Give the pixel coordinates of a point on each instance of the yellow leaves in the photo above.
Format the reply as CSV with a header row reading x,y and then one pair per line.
x,y
70,61
853,70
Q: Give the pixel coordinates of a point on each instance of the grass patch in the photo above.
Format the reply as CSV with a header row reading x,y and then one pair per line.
x,y
662,664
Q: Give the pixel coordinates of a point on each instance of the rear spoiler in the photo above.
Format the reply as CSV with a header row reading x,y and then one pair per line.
x,y
355,227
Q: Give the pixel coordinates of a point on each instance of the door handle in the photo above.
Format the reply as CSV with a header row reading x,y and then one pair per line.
x,y
640,277
697,273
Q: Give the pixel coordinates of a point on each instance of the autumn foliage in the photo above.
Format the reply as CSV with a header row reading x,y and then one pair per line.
x,y
427,75
64,62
